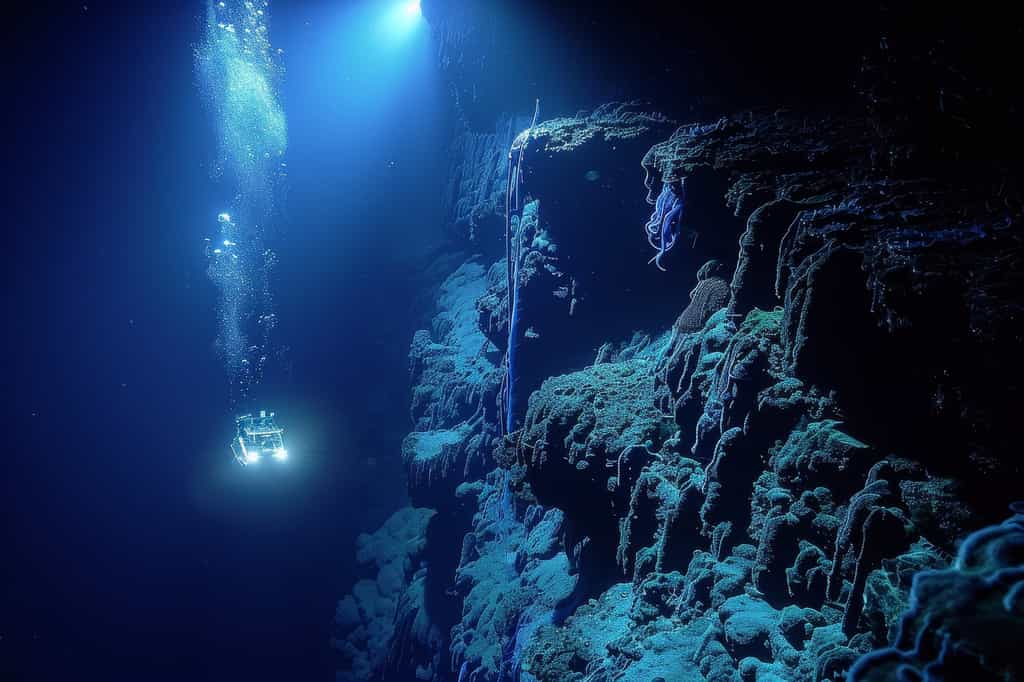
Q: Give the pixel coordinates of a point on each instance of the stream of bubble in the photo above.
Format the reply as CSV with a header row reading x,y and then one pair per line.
x,y
238,74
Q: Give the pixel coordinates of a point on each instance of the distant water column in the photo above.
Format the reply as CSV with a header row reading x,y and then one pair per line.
x,y
238,73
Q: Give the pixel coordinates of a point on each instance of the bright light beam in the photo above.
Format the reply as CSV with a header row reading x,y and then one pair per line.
x,y
401,20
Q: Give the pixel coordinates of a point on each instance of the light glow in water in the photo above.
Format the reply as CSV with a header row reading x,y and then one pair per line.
x,y
401,20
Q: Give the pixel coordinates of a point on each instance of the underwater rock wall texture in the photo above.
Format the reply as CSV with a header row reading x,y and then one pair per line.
x,y
759,465
965,621
475,197
364,619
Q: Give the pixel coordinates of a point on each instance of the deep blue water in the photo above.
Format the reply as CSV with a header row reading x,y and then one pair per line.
x,y
133,546
136,548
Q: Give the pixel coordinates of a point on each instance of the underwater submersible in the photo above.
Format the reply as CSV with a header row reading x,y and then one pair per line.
x,y
258,437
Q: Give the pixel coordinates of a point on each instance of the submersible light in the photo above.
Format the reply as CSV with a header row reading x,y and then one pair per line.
x,y
256,436
412,8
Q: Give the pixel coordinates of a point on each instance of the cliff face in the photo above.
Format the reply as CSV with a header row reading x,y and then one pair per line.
x,y
732,468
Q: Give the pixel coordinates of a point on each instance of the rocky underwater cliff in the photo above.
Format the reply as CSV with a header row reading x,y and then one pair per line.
x,y
768,436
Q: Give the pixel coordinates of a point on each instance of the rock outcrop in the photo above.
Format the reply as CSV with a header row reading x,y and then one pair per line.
x,y
759,464
364,620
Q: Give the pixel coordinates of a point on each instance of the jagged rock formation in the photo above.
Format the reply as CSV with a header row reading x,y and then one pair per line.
x,y
964,622
455,382
723,472
511,577
477,179
577,284
364,620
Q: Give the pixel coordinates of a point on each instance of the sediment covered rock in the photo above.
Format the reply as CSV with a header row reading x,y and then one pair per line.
x,y
364,620
745,494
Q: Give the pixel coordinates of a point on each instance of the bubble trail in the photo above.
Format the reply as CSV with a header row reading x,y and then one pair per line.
x,y
238,72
